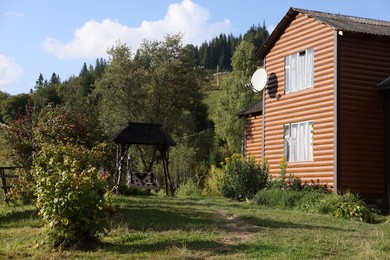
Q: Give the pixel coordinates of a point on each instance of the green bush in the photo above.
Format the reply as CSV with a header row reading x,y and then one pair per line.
x,y
278,198
310,199
72,197
347,205
213,183
188,189
23,187
242,178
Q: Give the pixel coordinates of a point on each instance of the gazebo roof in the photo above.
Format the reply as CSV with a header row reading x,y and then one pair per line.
x,y
143,133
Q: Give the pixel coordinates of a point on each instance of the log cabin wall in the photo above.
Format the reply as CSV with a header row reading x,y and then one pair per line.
x,y
316,104
253,137
364,61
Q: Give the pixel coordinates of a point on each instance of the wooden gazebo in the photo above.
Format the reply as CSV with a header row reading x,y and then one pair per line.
x,y
143,134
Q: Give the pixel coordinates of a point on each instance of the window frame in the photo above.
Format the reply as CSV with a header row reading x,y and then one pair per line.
x,y
294,152
299,71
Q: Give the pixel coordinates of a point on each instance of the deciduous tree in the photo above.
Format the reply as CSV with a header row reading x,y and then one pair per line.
x,y
159,84
236,96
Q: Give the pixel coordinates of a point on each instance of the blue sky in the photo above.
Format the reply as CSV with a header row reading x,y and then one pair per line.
x,y
43,36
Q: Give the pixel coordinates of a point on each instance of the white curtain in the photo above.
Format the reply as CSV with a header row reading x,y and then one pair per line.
x,y
287,140
310,67
293,72
287,74
298,144
299,71
294,143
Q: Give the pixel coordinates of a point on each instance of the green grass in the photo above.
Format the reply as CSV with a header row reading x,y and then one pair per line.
x,y
211,99
197,228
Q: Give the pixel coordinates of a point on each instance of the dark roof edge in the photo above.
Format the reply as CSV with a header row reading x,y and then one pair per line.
x,y
384,85
275,35
251,110
167,136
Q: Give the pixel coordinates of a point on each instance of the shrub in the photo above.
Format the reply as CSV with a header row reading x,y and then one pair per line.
x,y
72,198
315,187
23,187
285,181
349,206
242,179
213,183
278,198
188,189
290,199
310,200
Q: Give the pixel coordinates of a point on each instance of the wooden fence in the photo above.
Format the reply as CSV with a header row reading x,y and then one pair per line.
x,y
4,176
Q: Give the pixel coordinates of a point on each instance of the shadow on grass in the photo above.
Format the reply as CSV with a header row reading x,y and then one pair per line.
x,y
214,247
181,214
17,218
142,219
269,223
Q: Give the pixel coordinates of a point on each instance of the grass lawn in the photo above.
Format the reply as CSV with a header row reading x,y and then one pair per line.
x,y
198,228
211,99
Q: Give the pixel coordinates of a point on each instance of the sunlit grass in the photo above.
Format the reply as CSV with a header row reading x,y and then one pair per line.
x,y
211,100
197,228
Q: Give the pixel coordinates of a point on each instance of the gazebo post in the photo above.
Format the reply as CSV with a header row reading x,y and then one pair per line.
x,y
167,170
167,178
121,154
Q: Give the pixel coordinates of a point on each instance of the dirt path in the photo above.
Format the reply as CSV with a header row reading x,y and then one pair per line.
x,y
238,231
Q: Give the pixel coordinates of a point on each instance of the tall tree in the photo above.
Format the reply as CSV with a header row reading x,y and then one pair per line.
x,y
3,98
11,106
46,92
236,96
159,84
54,79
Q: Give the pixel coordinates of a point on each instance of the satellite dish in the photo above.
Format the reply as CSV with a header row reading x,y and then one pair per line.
x,y
259,79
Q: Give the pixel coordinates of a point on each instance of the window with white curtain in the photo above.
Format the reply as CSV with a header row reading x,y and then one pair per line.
x,y
299,71
298,141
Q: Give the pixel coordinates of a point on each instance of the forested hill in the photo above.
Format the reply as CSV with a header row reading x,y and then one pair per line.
x,y
219,51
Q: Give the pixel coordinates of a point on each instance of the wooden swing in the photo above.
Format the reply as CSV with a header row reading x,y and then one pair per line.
x,y
143,180
142,134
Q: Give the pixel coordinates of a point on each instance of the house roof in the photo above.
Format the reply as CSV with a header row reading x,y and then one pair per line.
x,y
143,133
384,84
337,21
254,109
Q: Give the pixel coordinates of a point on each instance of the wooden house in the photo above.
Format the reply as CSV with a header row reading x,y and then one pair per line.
x,y
327,101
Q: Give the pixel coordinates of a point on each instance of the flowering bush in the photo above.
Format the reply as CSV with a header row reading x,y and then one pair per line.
x,y
72,197
242,178
213,183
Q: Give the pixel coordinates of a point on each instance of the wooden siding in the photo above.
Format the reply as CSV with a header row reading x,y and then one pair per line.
x,y
316,104
364,61
253,137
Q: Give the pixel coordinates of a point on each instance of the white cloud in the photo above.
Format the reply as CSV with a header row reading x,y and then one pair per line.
x,y
93,38
13,14
10,72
